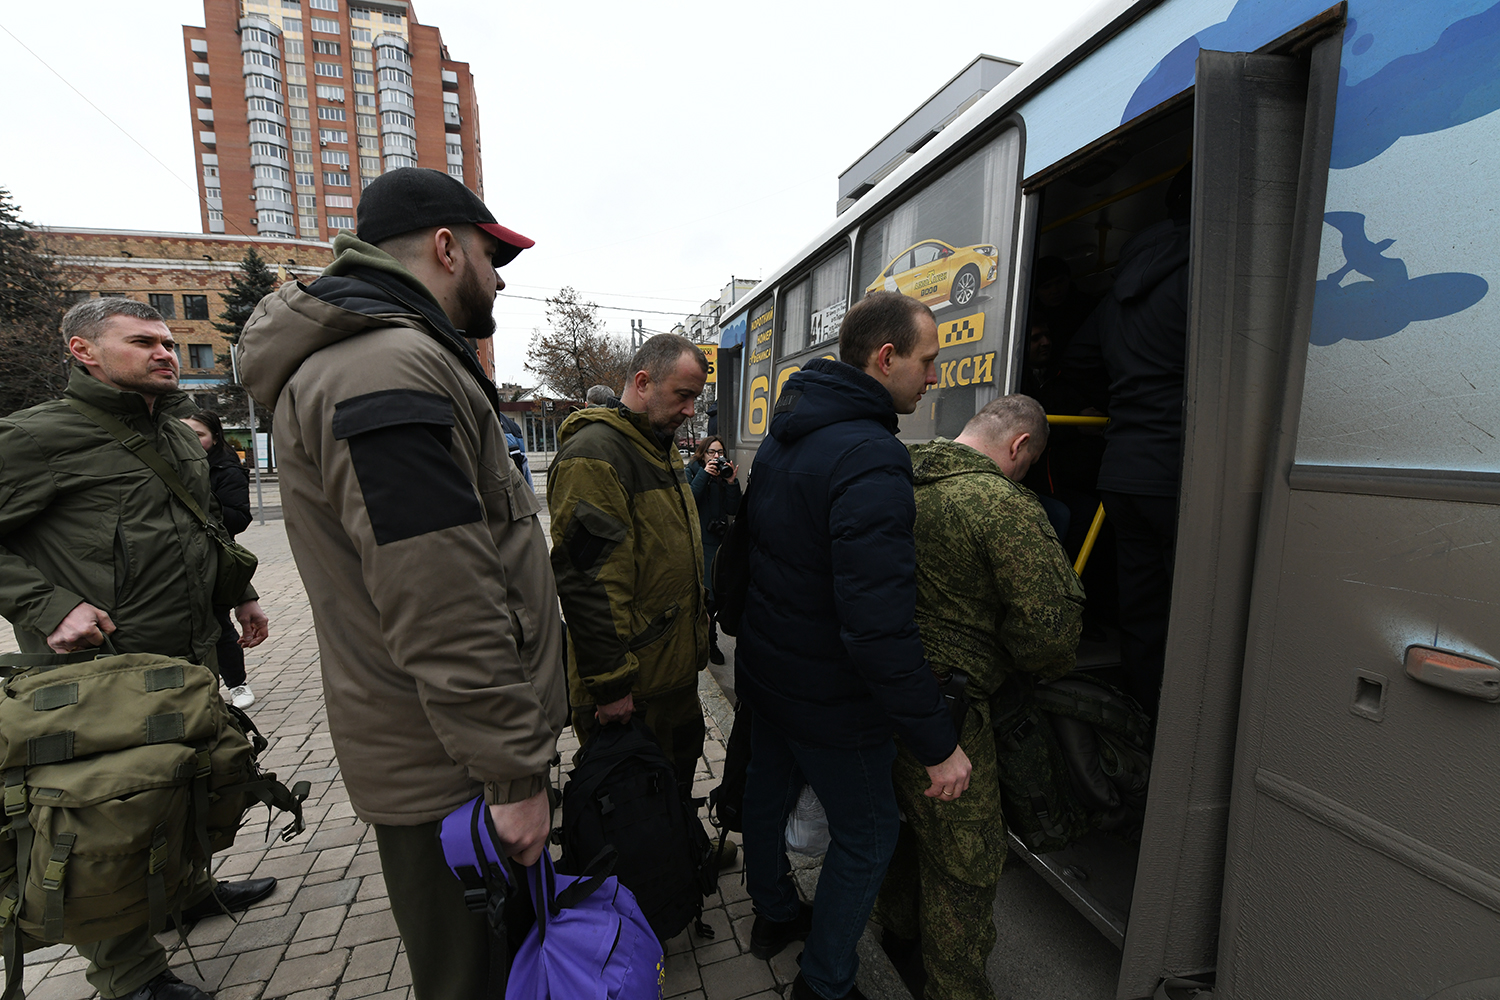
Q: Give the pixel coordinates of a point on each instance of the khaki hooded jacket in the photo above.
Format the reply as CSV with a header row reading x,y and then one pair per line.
x,y
417,540
629,559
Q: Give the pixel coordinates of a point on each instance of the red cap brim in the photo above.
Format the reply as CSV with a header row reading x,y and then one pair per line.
x,y
511,242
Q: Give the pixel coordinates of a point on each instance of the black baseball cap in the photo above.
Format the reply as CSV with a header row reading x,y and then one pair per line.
x,y
413,198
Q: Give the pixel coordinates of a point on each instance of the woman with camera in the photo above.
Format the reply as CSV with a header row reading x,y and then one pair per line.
x,y
712,477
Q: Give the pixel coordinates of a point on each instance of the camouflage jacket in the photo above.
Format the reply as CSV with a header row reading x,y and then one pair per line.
x,y
995,591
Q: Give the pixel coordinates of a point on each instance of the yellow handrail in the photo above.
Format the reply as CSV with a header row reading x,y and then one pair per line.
x,y
1076,421
1089,540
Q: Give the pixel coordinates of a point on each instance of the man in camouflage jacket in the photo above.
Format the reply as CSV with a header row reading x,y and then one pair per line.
x,y
995,594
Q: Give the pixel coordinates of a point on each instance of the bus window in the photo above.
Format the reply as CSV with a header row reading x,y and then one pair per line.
x,y
950,245
813,308
756,408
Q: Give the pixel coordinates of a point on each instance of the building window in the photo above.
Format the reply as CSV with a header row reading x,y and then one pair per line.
x,y
264,104
365,121
395,97
331,114
361,56
325,25
369,164
396,161
210,171
323,4
399,140
332,179
327,48
164,304
195,306
257,35
338,201
398,118
393,54
363,78
334,135
396,76
302,158
359,35
272,173
364,182
293,4
335,158
307,201
358,14
298,114
297,91
296,71
331,93
214,215
302,135
212,192
263,82
267,149
364,100
456,170
309,223
263,127
274,218
200,355
390,18
305,180
292,24
293,47
454,149
329,69
262,59
268,196
341,222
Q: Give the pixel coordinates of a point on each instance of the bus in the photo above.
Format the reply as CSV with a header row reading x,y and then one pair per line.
x,y
1323,817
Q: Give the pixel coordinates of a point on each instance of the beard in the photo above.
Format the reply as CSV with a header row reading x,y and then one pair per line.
x,y
478,308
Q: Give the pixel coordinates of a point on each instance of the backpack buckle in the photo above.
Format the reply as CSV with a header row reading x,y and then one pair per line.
x,y
477,900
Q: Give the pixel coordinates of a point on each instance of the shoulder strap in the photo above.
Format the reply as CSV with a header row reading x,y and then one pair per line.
x,y
142,450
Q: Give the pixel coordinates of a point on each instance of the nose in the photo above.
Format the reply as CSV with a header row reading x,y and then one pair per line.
x,y
932,374
499,282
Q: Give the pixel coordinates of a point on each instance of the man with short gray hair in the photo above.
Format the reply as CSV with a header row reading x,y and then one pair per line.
x,y
599,395
94,545
628,556
995,596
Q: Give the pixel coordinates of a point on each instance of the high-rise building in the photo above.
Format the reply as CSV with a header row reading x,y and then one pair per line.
x,y
296,105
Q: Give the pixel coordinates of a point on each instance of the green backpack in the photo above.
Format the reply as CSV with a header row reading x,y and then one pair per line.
x,y
123,775
1074,756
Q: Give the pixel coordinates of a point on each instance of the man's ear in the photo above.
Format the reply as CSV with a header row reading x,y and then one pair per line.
x,y
1019,444
82,350
641,380
883,358
447,249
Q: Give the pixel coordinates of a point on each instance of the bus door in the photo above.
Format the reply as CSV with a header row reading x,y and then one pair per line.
x,y
1363,851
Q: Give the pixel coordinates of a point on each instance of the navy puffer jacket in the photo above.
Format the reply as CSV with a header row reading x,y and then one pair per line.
x,y
828,651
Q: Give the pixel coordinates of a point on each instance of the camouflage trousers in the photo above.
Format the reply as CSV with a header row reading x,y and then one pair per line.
x,y
940,886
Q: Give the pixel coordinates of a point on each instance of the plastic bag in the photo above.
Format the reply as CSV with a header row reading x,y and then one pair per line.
x,y
807,826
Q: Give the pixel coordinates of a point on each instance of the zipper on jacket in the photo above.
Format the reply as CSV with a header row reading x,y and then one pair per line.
x,y
653,631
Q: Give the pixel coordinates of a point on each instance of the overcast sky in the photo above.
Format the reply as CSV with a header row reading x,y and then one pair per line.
x,y
652,150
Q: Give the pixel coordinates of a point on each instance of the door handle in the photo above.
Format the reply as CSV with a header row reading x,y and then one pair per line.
x,y
1454,672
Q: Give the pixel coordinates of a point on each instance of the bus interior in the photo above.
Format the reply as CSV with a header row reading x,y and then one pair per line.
x,y
1090,206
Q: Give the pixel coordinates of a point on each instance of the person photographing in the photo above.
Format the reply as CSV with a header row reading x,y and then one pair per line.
x,y
714,480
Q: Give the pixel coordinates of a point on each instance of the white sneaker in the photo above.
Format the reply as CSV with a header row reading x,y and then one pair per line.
x,y
242,696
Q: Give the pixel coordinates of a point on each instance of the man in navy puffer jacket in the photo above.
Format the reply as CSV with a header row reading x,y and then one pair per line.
x,y
829,661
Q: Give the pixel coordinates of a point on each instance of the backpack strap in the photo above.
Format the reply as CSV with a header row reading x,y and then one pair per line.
x,y
142,450
496,892
14,899
52,884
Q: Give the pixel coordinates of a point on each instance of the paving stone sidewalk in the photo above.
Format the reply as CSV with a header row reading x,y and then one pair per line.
x,y
326,933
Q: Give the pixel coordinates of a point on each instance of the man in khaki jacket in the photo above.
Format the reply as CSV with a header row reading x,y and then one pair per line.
x,y
419,545
629,558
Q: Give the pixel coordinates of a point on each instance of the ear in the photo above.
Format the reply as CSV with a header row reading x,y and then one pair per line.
x,y
883,358
641,380
82,350
448,251
1019,444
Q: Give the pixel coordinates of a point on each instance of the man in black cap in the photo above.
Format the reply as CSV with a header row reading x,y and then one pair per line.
x,y
419,545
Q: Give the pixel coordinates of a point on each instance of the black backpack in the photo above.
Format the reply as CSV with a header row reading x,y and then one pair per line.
x,y
622,793
731,570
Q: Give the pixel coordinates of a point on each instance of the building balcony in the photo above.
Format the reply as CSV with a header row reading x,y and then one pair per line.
x,y
200,69
451,118
208,138
450,80
206,115
199,46
204,94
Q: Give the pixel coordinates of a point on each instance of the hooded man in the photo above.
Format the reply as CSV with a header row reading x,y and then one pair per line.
x,y
418,542
829,661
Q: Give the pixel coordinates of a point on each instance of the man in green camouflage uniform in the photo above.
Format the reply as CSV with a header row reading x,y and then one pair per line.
x,y
995,594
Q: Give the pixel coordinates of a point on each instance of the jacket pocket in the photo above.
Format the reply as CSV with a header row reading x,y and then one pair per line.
x,y
654,630
122,563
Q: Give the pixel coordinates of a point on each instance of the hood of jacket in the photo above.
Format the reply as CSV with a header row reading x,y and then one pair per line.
x,y
1149,256
363,289
941,458
635,426
829,392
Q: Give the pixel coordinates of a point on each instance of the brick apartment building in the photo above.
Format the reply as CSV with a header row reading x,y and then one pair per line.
x,y
296,105
183,275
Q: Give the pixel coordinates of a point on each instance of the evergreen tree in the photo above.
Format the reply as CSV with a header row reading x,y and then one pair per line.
x,y
33,360
254,282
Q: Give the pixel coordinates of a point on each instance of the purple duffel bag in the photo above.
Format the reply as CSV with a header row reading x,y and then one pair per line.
x,y
590,941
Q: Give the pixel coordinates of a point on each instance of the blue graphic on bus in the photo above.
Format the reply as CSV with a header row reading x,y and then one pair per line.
x,y
1384,93
1391,300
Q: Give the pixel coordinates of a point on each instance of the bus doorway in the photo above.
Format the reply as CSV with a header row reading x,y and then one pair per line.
x,y
1090,211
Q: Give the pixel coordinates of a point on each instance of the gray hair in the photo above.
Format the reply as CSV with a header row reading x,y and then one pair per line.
x,y
599,395
88,317
658,356
1002,419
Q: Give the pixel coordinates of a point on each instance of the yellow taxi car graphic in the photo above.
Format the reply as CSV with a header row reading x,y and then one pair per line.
x,y
939,274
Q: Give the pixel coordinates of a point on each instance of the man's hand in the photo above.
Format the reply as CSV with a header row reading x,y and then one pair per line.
x,y
84,628
254,625
615,711
951,777
523,827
